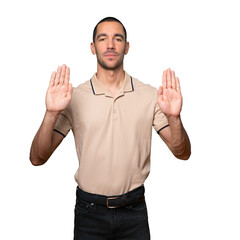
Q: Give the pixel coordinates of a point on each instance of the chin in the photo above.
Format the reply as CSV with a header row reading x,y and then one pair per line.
x,y
112,66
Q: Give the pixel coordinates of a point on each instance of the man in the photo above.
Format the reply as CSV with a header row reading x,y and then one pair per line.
x,y
111,116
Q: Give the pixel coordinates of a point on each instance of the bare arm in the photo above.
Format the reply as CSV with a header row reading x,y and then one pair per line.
x,y
45,141
176,138
170,102
58,97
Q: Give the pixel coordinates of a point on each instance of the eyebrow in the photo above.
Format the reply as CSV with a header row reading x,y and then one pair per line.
x,y
115,35
119,35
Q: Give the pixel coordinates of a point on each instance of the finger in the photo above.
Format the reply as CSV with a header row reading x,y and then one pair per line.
x,y
57,79
63,73
178,85
164,79
67,76
173,80
160,93
169,81
69,92
160,90
52,79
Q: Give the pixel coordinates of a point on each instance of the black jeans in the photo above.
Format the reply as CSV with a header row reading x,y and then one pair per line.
x,y
95,221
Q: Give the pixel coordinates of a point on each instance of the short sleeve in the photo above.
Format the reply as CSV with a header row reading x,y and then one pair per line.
x,y
159,119
63,125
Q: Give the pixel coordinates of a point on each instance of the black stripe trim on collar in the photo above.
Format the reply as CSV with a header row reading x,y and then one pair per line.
x,y
162,128
92,86
59,132
132,83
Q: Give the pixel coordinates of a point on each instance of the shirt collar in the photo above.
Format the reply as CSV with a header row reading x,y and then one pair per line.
x,y
98,88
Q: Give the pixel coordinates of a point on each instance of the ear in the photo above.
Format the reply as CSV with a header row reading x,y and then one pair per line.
x,y
93,48
126,48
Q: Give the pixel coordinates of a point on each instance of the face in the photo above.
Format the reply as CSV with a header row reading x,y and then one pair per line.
x,y
110,46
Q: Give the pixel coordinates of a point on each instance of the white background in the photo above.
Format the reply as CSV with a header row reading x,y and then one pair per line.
x,y
194,199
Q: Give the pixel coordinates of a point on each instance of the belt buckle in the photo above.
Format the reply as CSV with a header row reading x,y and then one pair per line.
x,y
114,198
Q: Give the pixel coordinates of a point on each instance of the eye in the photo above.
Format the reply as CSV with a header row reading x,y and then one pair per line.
x,y
119,39
101,39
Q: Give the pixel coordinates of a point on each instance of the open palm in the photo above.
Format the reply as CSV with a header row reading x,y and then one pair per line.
x,y
59,92
169,94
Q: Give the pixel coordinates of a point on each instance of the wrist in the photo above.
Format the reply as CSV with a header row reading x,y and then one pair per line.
x,y
52,114
173,119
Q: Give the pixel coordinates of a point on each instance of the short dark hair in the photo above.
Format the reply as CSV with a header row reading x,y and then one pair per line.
x,y
108,19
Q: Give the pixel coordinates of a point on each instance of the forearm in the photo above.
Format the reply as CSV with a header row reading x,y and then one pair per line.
x,y
41,148
180,143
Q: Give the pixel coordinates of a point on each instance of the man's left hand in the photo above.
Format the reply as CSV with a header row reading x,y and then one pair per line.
x,y
169,96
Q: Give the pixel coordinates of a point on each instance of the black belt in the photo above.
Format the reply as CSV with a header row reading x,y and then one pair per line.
x,y
131,197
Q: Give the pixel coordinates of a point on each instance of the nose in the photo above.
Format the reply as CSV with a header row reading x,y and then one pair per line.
x,y
111,44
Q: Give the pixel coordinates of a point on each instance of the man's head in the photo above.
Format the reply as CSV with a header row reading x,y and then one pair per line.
x,y
109,19
109,43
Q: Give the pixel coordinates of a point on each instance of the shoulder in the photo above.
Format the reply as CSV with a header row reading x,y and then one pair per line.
x,y
84,87
80,94
143,88
83,90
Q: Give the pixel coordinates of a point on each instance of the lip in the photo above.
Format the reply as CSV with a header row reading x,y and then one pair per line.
x,y
110,55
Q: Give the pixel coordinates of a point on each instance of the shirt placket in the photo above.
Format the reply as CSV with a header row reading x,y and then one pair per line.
x,y
114,104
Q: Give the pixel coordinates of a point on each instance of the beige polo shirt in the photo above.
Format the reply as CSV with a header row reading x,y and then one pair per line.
x,y
112,134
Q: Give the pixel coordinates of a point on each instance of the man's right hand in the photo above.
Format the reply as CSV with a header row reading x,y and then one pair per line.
x,y
59,93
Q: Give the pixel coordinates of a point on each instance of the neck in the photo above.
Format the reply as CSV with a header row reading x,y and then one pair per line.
x,y
111,79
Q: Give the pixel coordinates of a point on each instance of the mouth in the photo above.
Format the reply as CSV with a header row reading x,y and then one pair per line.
x,y
110,55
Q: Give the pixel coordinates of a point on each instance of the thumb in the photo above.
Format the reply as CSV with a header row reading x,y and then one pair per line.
x,y
160,93
70,87
69,92
160,90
